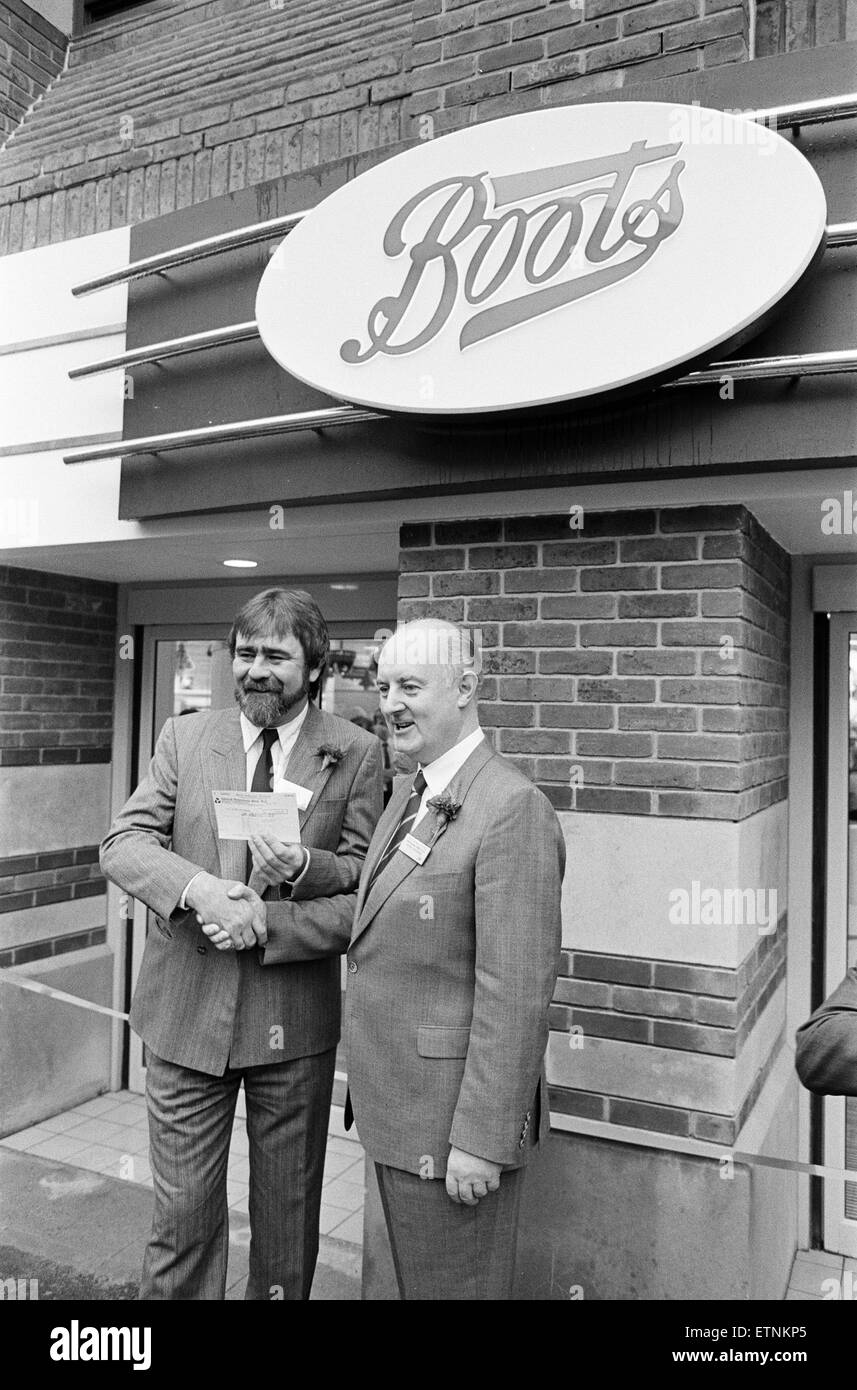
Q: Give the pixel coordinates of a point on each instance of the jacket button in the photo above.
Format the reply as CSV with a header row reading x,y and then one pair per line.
x,y
352,967
200,950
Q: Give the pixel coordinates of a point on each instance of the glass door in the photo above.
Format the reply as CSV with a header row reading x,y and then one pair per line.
x,y
840,1113
187,669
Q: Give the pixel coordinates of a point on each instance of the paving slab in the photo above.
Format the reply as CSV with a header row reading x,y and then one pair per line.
x,y
82,1234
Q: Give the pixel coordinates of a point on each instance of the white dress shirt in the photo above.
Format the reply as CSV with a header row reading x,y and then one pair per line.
x,y
440,773
281,751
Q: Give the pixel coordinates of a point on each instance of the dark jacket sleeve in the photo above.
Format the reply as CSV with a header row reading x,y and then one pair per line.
x,y
316,921
826,1045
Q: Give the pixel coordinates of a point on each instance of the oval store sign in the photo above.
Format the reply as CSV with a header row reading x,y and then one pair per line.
x,y
542,258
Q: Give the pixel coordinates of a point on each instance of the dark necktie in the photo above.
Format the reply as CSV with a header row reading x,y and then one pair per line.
x,y
263,777
409,815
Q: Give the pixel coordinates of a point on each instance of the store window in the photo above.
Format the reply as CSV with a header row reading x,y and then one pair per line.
x,y
202,678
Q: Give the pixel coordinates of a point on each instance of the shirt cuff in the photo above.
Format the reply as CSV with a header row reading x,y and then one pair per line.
x,y
283,891
183,899
293,881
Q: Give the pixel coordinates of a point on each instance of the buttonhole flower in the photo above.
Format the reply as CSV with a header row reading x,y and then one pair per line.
x,y
447,808
329,754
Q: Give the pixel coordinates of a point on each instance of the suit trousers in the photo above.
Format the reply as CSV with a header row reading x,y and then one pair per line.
x,y
190,1127
447,1251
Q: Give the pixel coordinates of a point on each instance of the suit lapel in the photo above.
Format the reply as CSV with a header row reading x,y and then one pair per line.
x,y
395,873
389,819
305,763
226,769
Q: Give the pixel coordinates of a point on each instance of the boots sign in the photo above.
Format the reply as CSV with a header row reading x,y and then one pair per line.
x,y
549,257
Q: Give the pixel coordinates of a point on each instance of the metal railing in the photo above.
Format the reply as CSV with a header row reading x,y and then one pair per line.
x,y
795,115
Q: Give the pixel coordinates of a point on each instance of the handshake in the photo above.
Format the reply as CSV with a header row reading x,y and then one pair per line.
x,y
232,914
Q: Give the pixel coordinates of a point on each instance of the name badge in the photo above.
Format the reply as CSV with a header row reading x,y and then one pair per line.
x,y
415,849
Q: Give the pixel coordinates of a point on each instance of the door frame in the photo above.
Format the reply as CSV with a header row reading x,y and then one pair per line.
x,y
840,1232
151,636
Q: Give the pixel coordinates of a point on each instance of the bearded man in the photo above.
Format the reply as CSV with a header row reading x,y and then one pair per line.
x,y
266,1012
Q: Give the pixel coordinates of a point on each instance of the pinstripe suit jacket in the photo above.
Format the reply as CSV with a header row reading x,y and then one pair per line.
x,y
206,1009
452,967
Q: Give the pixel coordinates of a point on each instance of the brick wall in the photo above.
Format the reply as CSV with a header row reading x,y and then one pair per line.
x,y
677,1007
173,105
32,53
785,25
57,649
494,58
32,881
636,665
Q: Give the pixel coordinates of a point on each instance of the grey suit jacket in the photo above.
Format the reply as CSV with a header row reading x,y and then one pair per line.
x,y
826,1045
206,1009
452,966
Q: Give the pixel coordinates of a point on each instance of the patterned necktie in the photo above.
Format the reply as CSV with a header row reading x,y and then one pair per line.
x,y
409,815
263,778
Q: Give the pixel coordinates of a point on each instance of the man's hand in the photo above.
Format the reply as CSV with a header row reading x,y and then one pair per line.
x,y
230,909
273,861
468,1178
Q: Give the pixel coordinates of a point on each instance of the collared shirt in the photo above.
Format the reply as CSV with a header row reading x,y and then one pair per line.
x,y
280,752
440,773
251,736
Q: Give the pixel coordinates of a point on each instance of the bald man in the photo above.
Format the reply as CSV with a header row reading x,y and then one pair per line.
x,y
451,969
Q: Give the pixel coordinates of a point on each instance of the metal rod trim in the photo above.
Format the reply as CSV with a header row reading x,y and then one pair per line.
x,y
766,368
221,434
172,347
193,251
839,234
745,369
821,109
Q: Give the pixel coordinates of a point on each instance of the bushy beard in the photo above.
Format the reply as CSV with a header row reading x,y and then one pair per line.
x,y
269,707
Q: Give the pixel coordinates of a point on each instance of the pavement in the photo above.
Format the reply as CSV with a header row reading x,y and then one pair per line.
x,y
76,1206
76,1210
818,1275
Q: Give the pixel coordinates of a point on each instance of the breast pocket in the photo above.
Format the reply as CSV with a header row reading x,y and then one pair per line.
x,y
325,819
436,1041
